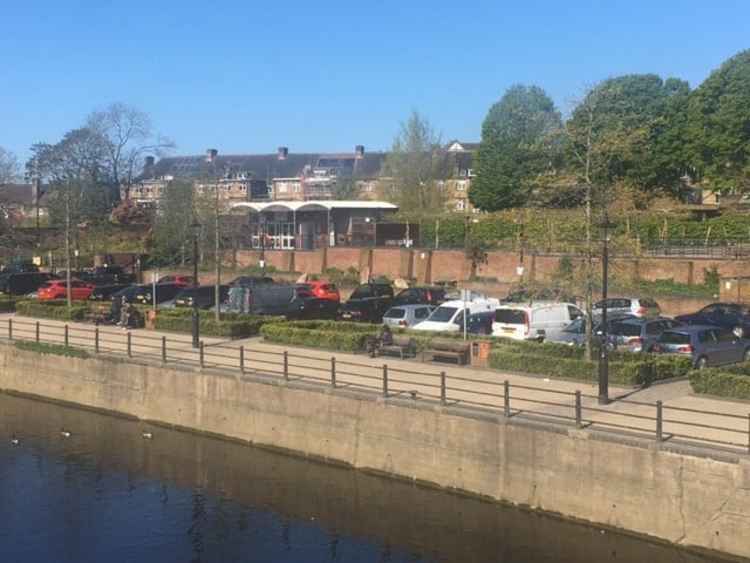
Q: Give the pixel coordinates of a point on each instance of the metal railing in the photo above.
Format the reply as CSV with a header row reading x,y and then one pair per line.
x,y
652,421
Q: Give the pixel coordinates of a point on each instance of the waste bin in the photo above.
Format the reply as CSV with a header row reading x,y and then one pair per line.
x,y
480,352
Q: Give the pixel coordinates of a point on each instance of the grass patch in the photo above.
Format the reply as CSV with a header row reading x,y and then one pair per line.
x,y
56,349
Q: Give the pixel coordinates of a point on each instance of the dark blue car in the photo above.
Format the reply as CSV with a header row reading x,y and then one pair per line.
x,y
707,345
725,315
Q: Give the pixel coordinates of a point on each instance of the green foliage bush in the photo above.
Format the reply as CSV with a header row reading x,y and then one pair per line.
x,y
57,349
720,382
57,310
316,337
231,325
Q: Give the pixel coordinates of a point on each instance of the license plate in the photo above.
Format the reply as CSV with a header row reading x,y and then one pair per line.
x,y
506,329
346,315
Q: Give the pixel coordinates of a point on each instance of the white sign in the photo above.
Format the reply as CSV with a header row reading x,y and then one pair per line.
x,y
519,270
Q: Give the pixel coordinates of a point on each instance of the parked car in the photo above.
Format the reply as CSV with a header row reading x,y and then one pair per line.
x,y
19,268
725,315
481,323
636,306
58,289
182,281
290,301
250,281
204,296
24,283
546,294
420,296
323,290
105,292
368,303
575,333
449,317
406,315
164,292
639,334
706,345
107,275
537,321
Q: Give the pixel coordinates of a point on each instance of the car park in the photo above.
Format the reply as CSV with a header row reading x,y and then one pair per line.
x,y
449,317
638,334
406,316
726,315
368,303
58,289
164,292
420,296
23,283
182,281
706,345
636,306
537,321
203,296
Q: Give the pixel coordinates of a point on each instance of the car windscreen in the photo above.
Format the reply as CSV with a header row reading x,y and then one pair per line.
x,y
510,316
671,337
395,313
625,329
575,327
442,314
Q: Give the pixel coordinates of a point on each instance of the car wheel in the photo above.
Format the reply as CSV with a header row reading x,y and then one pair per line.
x,y
701,363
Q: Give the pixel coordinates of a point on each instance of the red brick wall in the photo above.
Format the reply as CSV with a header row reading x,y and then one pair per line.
x,y
449,265
387,262
345,258
280,259
308,261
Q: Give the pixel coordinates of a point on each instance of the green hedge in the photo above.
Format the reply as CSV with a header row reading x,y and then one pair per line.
x,y
293,334
720,382
57,310
231,325
58,349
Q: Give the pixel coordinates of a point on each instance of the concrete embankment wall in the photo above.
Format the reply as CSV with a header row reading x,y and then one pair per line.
x,y
681,498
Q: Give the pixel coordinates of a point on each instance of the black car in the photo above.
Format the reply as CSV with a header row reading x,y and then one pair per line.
x,y
20,268
164,292
105,292
290,301
480,323
250,281
107,275
23,284
725,315
204,296
368,302
420,296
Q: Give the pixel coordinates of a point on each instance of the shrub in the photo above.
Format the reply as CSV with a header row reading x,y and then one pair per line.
x,y
57,310
7,305
58,349
231,325
292,333
720,382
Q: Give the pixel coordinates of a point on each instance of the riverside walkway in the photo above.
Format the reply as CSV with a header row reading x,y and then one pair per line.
x,y
667,413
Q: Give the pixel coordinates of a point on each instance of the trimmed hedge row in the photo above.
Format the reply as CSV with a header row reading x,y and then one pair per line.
x,y
231,325
57,310
720,382
293,334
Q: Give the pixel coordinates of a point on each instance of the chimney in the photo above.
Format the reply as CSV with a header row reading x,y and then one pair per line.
x,y
282,153
359,151
211,155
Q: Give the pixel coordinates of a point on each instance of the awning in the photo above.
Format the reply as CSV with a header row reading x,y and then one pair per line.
x,y
313,205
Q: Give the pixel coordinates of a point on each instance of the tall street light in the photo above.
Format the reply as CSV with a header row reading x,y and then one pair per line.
x,y
603,345
196,229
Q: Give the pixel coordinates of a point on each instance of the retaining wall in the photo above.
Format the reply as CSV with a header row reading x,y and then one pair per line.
x,y
681,498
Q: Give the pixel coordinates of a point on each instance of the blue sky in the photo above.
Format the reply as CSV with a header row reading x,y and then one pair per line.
x,y
244,76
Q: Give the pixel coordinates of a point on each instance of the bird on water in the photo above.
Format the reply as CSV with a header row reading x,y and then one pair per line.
x,y
64,433
14,441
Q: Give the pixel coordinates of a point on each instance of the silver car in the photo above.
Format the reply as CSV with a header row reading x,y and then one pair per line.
x,y
636,306
404,316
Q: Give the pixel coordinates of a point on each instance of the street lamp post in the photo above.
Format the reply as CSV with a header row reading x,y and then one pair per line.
x,y
262,231
603,346
196,227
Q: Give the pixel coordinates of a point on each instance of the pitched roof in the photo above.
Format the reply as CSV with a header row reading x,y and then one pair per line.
x,y
453,146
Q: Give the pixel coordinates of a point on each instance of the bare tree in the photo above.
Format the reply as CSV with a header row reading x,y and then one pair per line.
x,y
127,136
9,167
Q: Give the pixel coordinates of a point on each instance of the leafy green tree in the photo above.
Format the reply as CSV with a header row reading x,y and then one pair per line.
x,y
416,163
512,152
718,125
172,234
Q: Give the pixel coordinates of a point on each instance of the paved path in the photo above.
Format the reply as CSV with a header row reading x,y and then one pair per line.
x,y
632,411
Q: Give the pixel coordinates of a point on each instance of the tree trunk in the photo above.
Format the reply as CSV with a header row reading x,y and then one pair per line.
x,y
68,289
217,256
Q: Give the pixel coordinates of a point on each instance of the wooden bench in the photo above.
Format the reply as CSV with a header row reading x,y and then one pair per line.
x,y
403,347
449,349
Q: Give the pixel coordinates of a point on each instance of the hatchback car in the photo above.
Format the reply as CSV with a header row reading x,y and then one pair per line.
x,y
638,334
725,315
636,306
321,289
406,315
706,345
58,289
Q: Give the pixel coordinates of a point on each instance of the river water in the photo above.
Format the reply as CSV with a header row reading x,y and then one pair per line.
x,y
107,494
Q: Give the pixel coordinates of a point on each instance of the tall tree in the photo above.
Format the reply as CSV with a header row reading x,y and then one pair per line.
x,y
172,223
9,168
511,155
416,163
719,126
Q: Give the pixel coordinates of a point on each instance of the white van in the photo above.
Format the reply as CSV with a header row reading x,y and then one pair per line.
x,y
449,317
533,322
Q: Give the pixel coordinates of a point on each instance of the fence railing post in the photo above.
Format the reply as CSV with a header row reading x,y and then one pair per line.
x,y
96,340
65,336
10,329
164,349
579,413
37,332
130,345
506,398
748,433
659,422
333,371
242,359
286,365
385,380
201,357
443,388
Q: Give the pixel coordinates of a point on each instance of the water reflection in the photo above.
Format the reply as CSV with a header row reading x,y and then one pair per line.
x,y
106,493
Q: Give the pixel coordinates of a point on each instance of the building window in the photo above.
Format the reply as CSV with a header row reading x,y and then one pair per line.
x,y
460,205
461,185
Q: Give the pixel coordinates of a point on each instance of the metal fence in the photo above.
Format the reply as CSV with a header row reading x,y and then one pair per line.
x,y
638,419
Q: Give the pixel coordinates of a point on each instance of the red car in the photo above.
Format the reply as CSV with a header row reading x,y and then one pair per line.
x,y
57,289
324,290
183,281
